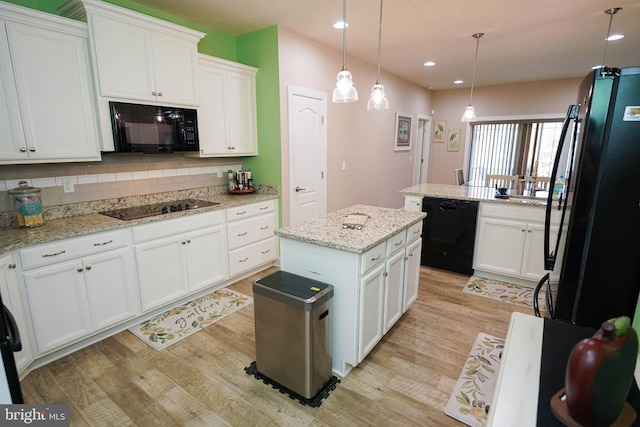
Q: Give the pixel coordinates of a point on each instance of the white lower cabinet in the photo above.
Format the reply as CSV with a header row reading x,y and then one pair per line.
x,y
12,299
371,290
510,242
192,257
71,299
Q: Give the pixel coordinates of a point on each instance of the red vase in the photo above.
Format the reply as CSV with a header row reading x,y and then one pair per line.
x,y
600,373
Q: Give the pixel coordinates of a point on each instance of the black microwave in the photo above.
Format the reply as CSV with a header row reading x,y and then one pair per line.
x,y
141,128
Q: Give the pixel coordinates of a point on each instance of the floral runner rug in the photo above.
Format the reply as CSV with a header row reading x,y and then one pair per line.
x,y
469,402
186,319
505,292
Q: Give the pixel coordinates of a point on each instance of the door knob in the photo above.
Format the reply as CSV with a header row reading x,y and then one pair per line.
x,y
300,189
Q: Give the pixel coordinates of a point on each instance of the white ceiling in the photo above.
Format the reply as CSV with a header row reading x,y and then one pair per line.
x,y
524,40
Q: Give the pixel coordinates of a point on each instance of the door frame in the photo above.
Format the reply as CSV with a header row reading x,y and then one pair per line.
x,y
421,155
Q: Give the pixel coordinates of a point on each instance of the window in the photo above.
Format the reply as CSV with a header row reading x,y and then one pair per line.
x,y
513,148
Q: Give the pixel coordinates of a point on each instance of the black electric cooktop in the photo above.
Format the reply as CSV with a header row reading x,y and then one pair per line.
x,y
136,212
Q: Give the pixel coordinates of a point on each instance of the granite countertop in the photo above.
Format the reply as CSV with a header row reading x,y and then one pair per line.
x,y
94,222
464,192
327,231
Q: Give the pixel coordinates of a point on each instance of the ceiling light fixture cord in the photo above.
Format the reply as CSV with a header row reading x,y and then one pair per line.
x,y
609,12
475,61
379,43
344,35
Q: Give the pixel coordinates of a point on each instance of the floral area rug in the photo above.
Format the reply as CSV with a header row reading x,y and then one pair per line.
x,y
505,292
178,323
469,402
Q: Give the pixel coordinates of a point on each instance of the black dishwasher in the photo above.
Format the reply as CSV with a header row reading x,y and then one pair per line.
x,y
449,234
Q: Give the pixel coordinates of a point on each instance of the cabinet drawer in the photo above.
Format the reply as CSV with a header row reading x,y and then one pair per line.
x,y
246,211
414,232
373,257
240,233
170,227
50,253
396,242
251,256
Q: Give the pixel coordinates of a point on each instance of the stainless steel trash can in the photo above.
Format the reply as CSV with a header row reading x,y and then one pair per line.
x,y
293,334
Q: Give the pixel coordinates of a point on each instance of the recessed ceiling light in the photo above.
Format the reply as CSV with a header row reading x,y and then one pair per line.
x,y
429,64
615,37
340,25
458,82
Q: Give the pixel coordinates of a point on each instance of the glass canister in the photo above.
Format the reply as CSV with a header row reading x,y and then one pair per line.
x,y
26,206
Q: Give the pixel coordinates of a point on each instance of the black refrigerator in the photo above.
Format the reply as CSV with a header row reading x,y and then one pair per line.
x,y
600,276
10,391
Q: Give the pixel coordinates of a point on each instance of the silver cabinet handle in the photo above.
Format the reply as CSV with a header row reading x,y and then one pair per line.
x,y
32,149
159,93
154,93
103,243
88,267
242,234
11,265
385,274
231,148
23,149
264,228
79,269
399,243
244,260
265,252
241,213
264,207
376,258
55,254
300,189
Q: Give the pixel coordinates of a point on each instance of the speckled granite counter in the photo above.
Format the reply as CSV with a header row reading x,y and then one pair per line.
x,y
79,224
328,231
463,192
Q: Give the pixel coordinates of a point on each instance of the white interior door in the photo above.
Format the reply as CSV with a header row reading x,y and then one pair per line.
x,y
421,157
307,154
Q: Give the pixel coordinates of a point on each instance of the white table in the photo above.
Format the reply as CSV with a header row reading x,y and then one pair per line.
x,y
515,398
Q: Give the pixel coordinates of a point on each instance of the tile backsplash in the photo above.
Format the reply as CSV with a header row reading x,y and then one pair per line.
x,y
117,175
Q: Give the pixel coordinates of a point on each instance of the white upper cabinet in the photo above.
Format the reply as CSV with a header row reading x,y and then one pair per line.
x,y
138,57
47,102
227,114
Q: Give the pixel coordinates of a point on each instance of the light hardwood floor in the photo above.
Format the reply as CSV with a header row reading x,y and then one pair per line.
x,y
200,381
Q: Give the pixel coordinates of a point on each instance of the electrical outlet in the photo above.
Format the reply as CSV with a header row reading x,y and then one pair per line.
x,y
67,185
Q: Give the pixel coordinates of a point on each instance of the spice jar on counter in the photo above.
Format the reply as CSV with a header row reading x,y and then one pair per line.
x,y
26,206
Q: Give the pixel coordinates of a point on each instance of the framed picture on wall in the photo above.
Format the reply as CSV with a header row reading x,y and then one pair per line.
x,y
453,140
403,132
439,130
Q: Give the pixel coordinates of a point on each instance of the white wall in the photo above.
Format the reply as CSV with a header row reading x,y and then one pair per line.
x,y
361,138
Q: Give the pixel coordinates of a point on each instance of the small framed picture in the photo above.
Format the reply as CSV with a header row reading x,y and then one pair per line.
x,y
403,132
453,140
439,130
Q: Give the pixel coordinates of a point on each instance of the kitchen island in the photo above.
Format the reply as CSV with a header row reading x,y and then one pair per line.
x,y
374,272
509,234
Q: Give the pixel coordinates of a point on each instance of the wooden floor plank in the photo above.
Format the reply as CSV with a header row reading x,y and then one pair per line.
x,y
405,380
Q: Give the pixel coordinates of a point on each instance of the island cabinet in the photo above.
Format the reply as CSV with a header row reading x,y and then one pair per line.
x,y
180,255
45,68
227,114
13,301
138,57
373,271
78,286
510,243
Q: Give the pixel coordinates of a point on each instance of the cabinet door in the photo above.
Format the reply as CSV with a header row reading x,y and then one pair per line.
x,y
242,113
175,70
111,287
12,299
55,93
58,303
499,246
371,311
413,203
212,123
393,290
533,255
411,273
207,257
12,142
161,271
124,60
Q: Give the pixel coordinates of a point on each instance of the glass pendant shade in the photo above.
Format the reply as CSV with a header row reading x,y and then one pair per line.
x,y
378,100
469,114
344,91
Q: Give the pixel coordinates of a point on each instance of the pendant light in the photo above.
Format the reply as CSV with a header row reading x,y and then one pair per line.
x,y
378,99
469,111
609,12
344,91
